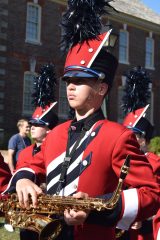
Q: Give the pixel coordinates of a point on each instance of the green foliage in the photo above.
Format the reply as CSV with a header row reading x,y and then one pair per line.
x,y
154,145
29,135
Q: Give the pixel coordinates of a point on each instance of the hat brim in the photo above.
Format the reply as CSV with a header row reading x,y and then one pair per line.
x,y
136,130
78,74
37,122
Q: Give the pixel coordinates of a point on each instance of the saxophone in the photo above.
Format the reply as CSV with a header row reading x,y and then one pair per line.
x,y
40,219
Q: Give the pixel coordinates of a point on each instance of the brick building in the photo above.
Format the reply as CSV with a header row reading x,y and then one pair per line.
x,y
30,35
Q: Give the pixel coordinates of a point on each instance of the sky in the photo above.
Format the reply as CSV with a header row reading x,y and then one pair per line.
x,y
154,4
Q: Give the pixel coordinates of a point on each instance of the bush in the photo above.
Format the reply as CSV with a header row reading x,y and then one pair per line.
x,y
154,145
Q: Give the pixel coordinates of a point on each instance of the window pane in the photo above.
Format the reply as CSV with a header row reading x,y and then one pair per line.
x,y
33,24
120,110
27,93
123,47
149,52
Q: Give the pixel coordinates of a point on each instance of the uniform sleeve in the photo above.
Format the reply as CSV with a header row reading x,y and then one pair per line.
x,y
29,167
5,174
12,143
154,160
156,226
141,198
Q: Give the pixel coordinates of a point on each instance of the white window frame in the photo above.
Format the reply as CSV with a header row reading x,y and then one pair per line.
x,y
27,94
149,112
124,46
150,53
29,39
121,114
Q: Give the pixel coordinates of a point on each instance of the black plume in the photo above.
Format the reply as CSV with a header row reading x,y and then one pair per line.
x,y
82,21
136,90
44,86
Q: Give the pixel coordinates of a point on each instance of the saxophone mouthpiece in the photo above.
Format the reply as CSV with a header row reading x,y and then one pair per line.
x,y
125,167
127,161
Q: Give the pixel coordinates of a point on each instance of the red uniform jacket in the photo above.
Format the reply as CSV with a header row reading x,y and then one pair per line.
x,y
147,234
96,169
5,174
23,167
154,160
156,226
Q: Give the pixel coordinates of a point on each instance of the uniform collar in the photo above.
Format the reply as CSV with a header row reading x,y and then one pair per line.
x,y
36,149
88,122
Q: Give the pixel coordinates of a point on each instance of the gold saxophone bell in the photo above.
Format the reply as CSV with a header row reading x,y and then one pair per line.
x,y
51,230
47,228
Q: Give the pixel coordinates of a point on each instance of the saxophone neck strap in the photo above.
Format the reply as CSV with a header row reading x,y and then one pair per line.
x,y
67,160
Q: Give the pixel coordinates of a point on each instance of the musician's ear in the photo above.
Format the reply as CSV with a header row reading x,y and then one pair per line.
x,y
103,89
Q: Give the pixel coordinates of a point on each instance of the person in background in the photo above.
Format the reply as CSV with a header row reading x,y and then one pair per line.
x,y
18,142
39,130
143,130
133,101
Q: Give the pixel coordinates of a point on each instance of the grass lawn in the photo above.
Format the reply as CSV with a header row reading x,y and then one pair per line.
x,y
5,235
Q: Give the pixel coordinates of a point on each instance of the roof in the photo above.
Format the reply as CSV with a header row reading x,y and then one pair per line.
x,y
137,9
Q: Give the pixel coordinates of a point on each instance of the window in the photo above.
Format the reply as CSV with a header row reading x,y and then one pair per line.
x,y
27,93
149,61
123,47
33,24
120,110
63,102
149,112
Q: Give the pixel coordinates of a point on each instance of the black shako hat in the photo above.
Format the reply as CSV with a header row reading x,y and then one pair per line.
x,y
106,63
91,60
44,98
82,27
135,101
145,128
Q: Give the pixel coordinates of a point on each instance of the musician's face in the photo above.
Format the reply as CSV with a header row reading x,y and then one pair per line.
x,y
84,94
38,133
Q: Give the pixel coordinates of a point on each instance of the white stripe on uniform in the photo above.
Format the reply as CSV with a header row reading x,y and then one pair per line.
x,y
130,209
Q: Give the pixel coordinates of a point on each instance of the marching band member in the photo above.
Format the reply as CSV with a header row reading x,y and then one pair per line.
x,y
43,120
134,102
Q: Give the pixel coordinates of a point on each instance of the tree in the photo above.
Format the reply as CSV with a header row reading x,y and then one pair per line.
x,y
154,145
